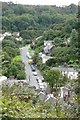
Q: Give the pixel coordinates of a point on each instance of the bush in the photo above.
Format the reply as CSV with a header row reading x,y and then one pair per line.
x,y
16,58
21,75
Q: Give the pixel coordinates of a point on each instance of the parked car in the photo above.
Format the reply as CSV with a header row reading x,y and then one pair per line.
x,y
41,87
39,80
30,61
29,57
41,84
35,73
32,68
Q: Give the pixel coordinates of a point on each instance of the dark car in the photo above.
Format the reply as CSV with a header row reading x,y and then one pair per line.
x,y
32,68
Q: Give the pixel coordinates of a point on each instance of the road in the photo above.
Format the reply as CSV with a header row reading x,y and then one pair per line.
x,y
31,79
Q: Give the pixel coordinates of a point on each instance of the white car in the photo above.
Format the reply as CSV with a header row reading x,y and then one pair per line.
x,y
29,57
35,73
41,84
41,87
39,80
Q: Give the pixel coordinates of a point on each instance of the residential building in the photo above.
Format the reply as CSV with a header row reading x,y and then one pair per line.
x,y
7,34
19,39
16,34
2,79
48,47
45,58
42,95
48,42
50,98
70,72
64,91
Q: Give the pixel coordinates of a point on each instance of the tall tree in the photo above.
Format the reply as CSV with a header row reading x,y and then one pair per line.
x,y
74,37
52,76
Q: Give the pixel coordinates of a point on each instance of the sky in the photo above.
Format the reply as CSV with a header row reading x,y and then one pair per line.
x,y
44,2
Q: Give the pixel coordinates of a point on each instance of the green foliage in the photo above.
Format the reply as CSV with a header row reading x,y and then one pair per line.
x,y
28,34
51,34
74,38
15,69
51,22
17,102
52,77
14,66
51,62
16,59
65,54
20,17
21,75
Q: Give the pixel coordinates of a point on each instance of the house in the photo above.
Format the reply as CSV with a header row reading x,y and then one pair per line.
x,y
50,98
19,39
47,50
42,95
45,58
70,72
46,87
1,38
16,34
65,91
67,41
7,34
2,78
49,42
48,47
40,54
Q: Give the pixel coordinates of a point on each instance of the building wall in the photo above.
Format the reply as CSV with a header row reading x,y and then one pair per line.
x,y
71,75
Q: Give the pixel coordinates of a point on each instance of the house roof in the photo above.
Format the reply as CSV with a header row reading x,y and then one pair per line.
x,y
63,69
51,98
2,78
48,41
48,47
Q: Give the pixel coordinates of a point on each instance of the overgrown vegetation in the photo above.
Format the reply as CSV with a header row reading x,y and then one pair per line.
x,y
11,62
20,101
59,24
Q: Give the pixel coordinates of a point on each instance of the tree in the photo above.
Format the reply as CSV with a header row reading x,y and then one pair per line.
x,y
28,34
74,37
52,77
21,75
51,34
51,62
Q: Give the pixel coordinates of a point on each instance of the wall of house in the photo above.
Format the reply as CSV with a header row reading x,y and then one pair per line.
x,y
71,75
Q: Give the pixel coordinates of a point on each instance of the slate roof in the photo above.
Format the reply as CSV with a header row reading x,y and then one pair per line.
x,y
63,69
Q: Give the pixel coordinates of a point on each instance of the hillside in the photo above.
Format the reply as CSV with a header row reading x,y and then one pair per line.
x,y
51,22
38,18
37,25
